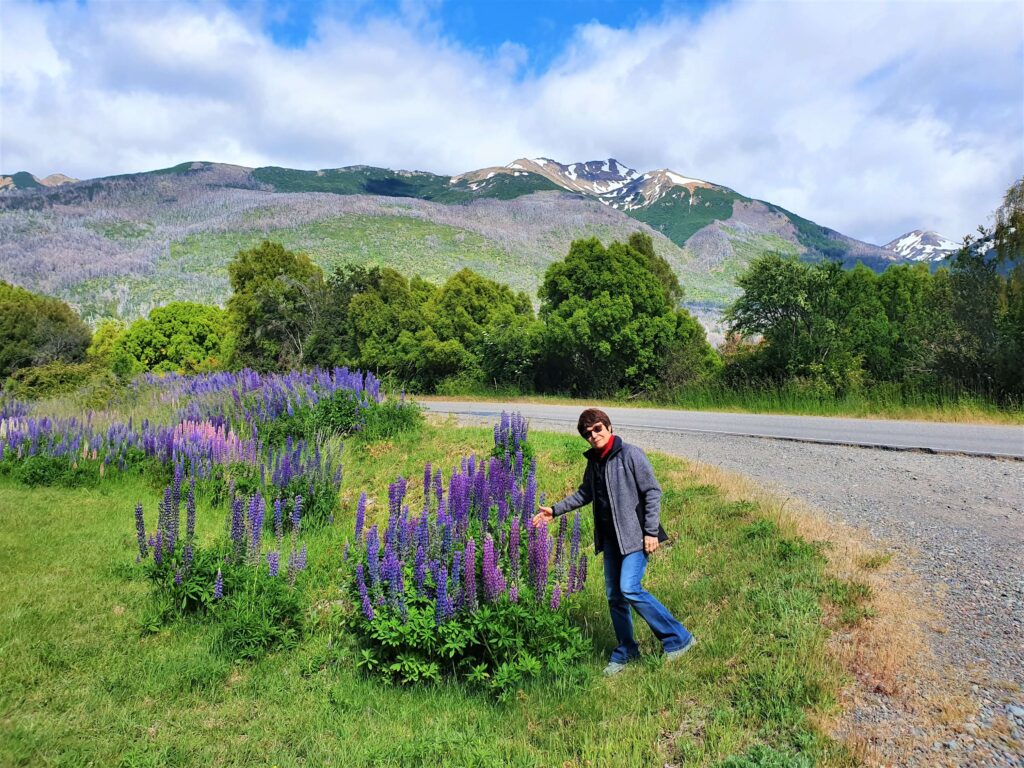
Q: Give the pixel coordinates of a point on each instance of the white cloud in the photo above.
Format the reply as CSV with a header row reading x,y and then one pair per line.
x,y
866,117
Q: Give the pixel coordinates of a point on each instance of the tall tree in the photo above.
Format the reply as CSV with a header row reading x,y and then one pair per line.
x,y
36,330
180,336
274,306
609,325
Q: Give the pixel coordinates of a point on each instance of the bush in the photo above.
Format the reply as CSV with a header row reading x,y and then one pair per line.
x,y
233,581
40,470
427,601
391,418
55,378
261,616
340,414
500,647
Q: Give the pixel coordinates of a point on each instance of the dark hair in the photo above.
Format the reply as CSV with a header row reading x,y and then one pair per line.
x,y
589,418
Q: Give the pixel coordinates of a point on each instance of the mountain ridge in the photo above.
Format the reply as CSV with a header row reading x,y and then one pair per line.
x,y
167,233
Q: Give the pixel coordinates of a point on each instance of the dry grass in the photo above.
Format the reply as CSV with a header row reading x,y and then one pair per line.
x,y
896,697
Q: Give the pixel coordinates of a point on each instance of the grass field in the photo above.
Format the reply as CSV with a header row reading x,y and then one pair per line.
x,y
83,685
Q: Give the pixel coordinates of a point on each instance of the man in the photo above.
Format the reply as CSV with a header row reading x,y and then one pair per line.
x,y
626,498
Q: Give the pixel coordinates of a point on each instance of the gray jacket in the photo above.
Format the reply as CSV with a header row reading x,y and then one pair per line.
x,y
634,494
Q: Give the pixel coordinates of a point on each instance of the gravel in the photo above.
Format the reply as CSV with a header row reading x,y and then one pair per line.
x,y
957,523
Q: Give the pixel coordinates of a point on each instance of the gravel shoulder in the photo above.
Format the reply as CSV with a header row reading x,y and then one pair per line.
x,y
956,523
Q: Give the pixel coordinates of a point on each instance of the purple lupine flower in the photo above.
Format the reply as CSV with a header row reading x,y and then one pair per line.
x,y
426,487
494,582
455,584
581,574
187,558
274,562
297,514
513,593
443,608
278,523
556,597
360,516
218,586
293,566
256,511
190,511
158,548
439,488
469,573
420,570
363,593
177,577
237,526
140,531
344,552
302,559
513,549
373,556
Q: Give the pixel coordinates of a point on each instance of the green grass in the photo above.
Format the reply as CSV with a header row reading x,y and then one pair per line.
x,y
82,685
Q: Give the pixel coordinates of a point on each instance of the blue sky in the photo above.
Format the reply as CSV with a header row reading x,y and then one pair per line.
x,y
539,26
872,118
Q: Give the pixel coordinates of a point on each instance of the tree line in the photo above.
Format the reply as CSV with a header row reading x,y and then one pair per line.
x,y
609,324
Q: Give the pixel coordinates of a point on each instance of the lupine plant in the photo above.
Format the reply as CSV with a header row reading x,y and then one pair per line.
x,y
234,580
466,585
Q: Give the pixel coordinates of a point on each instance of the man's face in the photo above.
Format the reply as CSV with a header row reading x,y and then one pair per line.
x,y
598,435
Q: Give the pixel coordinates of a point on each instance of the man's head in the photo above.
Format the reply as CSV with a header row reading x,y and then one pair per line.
x,y
595,427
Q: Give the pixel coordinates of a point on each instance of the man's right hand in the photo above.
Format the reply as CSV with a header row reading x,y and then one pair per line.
x,y
544,516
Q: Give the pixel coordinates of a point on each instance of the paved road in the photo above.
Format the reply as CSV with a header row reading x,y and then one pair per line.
x,y
933,437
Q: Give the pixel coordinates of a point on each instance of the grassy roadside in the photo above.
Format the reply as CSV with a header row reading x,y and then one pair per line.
x,y
962,410
82,684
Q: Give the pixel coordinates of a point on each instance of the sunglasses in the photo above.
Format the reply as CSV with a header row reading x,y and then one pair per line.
x,y
594,430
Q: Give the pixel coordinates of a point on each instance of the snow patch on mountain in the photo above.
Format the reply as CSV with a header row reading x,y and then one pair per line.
x,y
922,245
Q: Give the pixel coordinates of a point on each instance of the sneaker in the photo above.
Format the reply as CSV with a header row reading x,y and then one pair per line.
x,y
678,652
613,668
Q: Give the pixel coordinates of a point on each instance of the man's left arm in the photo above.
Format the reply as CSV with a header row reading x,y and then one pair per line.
x,y
649,491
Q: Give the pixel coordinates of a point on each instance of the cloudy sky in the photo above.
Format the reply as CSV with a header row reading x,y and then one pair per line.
x,y
872,118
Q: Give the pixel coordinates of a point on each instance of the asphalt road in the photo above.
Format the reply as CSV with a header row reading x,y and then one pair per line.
x,y
932,437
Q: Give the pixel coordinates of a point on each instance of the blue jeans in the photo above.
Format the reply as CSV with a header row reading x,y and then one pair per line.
x,y
622,577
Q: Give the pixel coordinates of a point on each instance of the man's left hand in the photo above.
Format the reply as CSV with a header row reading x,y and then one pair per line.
x,y
650,544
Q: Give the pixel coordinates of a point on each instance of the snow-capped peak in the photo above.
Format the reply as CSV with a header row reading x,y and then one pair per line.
x,y
922,245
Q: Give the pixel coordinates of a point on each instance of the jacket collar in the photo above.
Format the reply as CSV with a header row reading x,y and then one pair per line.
x,y
594,455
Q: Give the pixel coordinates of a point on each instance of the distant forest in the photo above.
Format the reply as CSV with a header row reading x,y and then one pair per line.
x,y
609,324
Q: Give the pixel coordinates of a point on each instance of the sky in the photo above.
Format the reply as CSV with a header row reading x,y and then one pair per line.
x,y
873,118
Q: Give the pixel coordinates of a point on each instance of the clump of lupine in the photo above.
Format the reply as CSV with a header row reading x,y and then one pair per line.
x,y
491,586
252,402
243,572
510,441
209,437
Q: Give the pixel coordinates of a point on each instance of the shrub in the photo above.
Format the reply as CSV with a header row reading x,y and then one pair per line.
x,y
391,418
232,580
468,588
265,613
54,378
42,470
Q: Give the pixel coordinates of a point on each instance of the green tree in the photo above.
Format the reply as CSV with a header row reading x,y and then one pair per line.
x,y
641,242
37,330
274,306
180,336
101,349
608,323
817,321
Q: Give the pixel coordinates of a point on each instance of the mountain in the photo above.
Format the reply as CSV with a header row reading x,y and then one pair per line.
x,y
120,245
25,180
921,245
